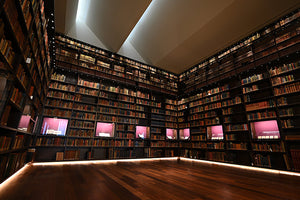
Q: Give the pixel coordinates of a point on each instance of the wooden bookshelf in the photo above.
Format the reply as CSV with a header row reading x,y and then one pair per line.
x,y
24,77
254,80
110,89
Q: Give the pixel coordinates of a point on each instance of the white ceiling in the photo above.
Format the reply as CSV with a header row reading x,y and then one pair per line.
x,y
169,34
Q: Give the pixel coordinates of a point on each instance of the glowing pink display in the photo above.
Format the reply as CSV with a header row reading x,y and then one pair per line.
x,y
215,132
184,134
54,126
105,129
24,122
142,132
265,130
171,134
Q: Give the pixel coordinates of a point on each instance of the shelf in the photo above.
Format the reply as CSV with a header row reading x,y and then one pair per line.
x,y
229,149
262,119
13,151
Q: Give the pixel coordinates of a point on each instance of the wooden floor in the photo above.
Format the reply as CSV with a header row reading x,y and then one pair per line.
x,y
149,180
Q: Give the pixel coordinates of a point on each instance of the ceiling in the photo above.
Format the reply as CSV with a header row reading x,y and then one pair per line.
x,y
170,34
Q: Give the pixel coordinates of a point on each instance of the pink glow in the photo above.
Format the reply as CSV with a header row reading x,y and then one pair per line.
x,y
265,130
142,132
24,122
171,134
54,126
105,129
215,132
184,133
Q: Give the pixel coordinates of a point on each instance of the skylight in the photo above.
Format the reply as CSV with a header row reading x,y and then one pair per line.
x,y
82,10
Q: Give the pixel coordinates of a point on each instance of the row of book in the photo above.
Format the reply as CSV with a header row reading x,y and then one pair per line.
x,y
57,112
6,46
61,95
284,68
82,115
262,160
212,121
124,135
157,137
140,115
99,52
5,142
282,79
236,127
295,154
227,111
207,93
64,87
189,73
58,77
78,142
237,146
236,100
59,103
288,123
197,123
261,115
17,96
172,144
158,144
71,155
215,156
260,105
81,133
171,125
123,127
287,89
10,163
22,76
198,137
103,143
87,58
251,79
212,106
87,91
286,112
50,141
252,88
171,119
126,98
124,143
90,84
267,147
82,124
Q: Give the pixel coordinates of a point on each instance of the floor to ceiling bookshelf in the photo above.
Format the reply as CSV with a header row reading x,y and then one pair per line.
x,y
24,79
218,103
243,103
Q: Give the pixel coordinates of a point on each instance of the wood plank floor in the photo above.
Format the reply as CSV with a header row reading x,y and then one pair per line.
x,y
149,180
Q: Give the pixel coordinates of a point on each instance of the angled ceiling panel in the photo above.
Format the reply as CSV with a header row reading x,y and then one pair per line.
x,y
65,14
234,23
112,21
169,34
170,22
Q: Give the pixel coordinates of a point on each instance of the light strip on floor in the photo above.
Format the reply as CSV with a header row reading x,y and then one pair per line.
x,y
101,161
274,171
14,177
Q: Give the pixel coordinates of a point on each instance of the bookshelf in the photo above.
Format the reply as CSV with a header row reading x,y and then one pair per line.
x,y
221,102
106,90
24,79
260,75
